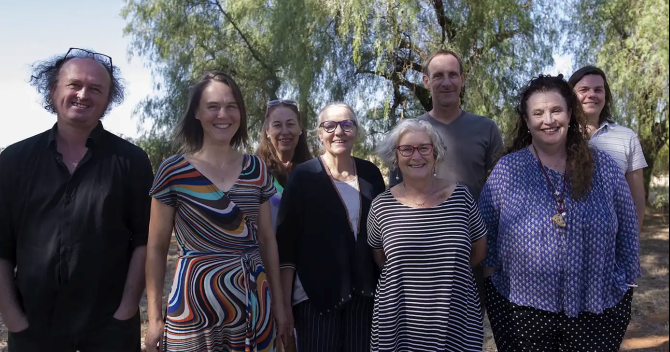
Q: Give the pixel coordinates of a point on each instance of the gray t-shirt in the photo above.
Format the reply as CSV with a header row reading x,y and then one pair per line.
x,y
473,143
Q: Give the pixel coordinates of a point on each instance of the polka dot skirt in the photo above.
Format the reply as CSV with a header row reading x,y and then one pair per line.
x,y
520,328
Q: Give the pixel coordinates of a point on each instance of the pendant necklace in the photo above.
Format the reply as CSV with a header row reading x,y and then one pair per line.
x,y
559,198
420,205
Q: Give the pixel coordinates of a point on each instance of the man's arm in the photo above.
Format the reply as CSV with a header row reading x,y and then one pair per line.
x,y
635,181
10,310
495,149
139,210
134,287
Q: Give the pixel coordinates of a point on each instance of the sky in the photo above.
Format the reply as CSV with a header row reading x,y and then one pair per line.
x,y
36,30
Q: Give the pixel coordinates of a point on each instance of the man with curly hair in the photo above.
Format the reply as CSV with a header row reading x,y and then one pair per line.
x,y
74,218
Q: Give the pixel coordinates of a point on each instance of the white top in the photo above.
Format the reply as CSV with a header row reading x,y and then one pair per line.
x,y
621,144
349,192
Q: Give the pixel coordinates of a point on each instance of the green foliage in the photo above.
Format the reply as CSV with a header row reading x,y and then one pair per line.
x,y
367,53
629,41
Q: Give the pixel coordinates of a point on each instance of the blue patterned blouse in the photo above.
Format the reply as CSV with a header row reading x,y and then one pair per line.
x,y
584,267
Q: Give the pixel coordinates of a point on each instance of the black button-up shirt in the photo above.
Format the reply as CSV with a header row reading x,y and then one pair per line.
x,y
71,237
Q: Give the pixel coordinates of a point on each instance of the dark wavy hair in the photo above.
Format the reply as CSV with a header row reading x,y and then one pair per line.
x,y
606,113
267,152
189,134
45,75
579,167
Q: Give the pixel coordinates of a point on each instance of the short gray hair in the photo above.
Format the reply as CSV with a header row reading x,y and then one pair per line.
x,y
387,148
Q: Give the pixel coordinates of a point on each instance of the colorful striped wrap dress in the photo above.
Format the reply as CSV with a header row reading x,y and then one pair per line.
x,y
220,296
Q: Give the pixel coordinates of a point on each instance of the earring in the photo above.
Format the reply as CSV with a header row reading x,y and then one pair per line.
x,y
300,133
397,178
434,172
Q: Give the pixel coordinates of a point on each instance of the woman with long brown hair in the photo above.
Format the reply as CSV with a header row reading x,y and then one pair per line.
x,y
283,145
214,198
562,232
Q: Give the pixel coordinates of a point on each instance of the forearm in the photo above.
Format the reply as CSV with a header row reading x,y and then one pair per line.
x,y
9,303
635,181
640,203
134,287
287,277
478,253
155,276
379,257
268,249
488,271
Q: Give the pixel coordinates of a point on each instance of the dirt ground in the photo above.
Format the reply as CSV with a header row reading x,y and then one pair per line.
x,y
648,330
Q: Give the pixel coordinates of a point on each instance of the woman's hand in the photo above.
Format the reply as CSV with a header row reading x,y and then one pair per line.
x,y
280,319
290,323
153,341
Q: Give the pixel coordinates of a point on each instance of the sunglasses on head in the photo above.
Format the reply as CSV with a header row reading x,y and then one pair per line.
x,y
408,150
331,126
105,60
281,101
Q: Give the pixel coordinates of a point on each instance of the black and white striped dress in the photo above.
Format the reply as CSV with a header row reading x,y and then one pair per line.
x,y
426,297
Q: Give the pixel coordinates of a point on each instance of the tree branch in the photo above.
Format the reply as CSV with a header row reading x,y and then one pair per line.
x,y
253,51
446,24
498,38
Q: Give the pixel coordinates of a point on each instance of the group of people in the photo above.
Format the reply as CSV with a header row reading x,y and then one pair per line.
x,y
280,250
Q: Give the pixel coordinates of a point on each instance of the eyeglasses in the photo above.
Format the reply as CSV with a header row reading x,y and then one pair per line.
x,y
281,101
331,126
105,60
408,150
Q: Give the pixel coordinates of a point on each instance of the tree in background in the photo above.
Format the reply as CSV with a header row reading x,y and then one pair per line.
x,y
367,52
629,41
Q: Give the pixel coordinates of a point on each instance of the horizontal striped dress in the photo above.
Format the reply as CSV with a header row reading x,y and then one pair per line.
x,y
220,298
426,298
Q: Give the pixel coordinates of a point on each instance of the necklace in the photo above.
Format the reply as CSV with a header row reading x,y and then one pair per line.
x,y
420,205
559,198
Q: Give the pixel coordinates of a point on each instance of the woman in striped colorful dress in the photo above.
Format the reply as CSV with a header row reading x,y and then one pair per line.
x,y
215,199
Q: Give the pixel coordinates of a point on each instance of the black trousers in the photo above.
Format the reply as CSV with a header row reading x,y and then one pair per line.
x,y
343,330
113,336
519,328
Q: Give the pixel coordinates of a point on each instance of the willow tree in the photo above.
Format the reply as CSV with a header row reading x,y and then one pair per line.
x,y
366,52
629,41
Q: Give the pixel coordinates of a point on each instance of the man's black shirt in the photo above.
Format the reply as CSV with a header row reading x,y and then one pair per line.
x,y
71,237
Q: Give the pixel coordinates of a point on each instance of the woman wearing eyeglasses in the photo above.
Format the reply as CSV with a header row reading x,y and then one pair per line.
x,y
327,270
426,233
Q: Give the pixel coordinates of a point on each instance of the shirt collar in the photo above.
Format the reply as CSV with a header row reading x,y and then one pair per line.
x,y
94,137
607,124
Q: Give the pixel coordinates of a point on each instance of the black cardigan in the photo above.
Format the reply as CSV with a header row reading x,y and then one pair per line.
x,y
314,236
